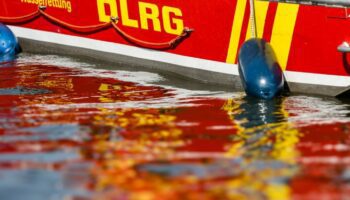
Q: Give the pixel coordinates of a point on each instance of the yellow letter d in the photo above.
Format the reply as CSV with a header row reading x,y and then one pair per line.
x,y
103,17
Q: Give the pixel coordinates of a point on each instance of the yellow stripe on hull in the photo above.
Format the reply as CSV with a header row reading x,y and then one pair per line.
x,y
236,31
282,32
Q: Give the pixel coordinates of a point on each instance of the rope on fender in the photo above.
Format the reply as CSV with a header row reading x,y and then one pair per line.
x,y
152,45
252,19
94,28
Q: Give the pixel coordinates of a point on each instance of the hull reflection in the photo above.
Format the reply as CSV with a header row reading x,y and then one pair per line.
x,y
94,134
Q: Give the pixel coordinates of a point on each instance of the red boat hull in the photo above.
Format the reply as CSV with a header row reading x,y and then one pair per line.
x,y
305,38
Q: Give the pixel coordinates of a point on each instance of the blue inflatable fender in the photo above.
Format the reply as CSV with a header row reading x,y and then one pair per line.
x,y
260,73
9,46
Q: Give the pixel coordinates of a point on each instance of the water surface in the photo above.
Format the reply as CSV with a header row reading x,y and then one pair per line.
x,y
69,130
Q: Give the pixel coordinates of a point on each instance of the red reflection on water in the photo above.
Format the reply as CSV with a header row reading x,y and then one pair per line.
x,y
325,162
201,148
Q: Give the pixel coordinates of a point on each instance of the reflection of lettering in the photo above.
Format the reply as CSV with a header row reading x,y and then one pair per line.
x,y
166,18
62,4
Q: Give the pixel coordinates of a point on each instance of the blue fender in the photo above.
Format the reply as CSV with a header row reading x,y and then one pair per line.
x,y
260,73
9,46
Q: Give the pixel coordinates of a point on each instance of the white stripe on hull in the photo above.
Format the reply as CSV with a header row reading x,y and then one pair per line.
x,y
159,56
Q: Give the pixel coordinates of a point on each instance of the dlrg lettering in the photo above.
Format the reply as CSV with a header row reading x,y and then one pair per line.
x,y
148,12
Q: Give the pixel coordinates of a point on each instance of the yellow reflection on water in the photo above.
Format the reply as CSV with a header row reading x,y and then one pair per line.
x,y
264,133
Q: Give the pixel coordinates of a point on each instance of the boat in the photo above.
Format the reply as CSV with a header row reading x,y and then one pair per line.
x,y
196,39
